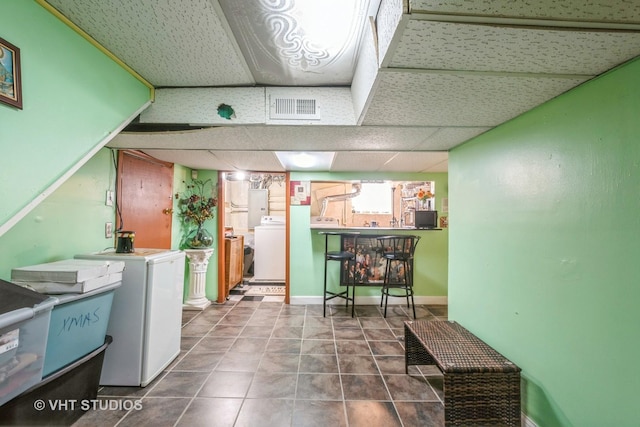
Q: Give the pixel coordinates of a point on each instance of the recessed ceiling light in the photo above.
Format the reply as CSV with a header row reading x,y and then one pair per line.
x,y
235,176
301,160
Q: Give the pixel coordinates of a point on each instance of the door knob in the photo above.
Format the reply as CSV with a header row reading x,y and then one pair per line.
x,y
167,211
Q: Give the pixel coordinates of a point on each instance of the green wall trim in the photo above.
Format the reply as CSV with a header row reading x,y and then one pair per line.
x,y
543,261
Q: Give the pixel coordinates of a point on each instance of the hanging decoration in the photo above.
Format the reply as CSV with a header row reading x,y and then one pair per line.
x,y
226,111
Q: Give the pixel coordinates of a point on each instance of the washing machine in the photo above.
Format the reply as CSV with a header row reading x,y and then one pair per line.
x,y
269,258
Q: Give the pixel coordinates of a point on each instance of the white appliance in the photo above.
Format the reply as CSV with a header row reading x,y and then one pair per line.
x,y
146,316
258,206
269,258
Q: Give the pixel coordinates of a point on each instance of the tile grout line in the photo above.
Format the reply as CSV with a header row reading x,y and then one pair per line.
x,y
217,363
189,352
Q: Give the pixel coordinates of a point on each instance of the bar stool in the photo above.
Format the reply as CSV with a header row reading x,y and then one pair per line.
x,y
346,259
398,251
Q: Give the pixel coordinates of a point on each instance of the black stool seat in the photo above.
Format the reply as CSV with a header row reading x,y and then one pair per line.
x,y
398,252
394,256
343,256
339,255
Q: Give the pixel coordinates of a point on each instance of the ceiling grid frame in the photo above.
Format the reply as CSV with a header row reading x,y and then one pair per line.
x,y
386,117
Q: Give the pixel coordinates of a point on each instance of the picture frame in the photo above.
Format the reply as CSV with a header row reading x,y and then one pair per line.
x,y
10,75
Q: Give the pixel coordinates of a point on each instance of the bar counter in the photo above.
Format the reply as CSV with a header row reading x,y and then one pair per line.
x,y
361,229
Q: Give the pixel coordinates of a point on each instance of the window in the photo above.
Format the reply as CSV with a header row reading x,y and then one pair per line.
x,y
374,198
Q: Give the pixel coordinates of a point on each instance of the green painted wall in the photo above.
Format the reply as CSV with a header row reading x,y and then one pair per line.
x,y
544,251
73,98
211,287
306,254
69,222
181,176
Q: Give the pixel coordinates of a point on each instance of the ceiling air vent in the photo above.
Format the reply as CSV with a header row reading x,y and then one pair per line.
x,y
293,109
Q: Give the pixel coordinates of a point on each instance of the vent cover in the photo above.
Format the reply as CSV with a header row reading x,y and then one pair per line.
x,y
293,109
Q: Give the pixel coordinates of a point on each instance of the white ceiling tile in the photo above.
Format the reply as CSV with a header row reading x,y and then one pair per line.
x,y
259,161
454,46
337,138
571,10
195,159
448,137
361,161
223,138
413,161
458,99
387,21
424,103
167,42
200,106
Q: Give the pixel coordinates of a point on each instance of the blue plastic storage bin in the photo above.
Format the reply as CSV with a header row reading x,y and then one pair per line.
x,y
78,326
24,322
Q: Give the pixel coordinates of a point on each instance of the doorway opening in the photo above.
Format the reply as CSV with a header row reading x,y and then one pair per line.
x,y
254,218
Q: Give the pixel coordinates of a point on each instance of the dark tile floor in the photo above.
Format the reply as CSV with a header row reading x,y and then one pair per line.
x,y
258,362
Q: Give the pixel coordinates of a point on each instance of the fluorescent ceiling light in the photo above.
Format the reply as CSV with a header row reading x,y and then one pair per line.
x,y
235,176
306,160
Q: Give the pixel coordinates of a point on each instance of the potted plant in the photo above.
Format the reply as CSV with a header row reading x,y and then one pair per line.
x,y
196,206
424,199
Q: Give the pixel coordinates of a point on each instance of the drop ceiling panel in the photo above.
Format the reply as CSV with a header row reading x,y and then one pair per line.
x,y
365,74
220,160
578,10
287,138
458,99
361,161
455,46
433,161
200,106
365,161
449,137
423,103
194,159
169,42
250,160
388,19
337,138
222,138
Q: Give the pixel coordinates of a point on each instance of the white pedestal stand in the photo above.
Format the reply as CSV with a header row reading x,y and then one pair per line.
x,y
198,263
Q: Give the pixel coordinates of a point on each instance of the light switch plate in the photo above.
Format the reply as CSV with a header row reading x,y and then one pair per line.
x,y
108,230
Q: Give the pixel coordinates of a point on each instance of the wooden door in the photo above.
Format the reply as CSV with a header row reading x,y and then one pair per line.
x,y
145,199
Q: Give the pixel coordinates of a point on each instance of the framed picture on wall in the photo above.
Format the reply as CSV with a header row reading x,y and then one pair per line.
x,y
10,82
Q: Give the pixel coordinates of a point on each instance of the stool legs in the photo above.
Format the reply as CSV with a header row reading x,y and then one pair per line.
x,y
408,275
324,294
408,286
344,258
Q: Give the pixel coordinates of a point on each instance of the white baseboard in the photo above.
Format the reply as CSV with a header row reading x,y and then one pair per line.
x,y
527,422
369,300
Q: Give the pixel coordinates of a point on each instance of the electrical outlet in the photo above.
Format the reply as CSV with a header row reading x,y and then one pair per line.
x,y
108,230
109,198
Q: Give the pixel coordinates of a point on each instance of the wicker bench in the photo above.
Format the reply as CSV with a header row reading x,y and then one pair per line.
x,y
481,387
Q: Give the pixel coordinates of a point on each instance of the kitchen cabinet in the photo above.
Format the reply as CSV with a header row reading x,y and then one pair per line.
x,y
234,258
